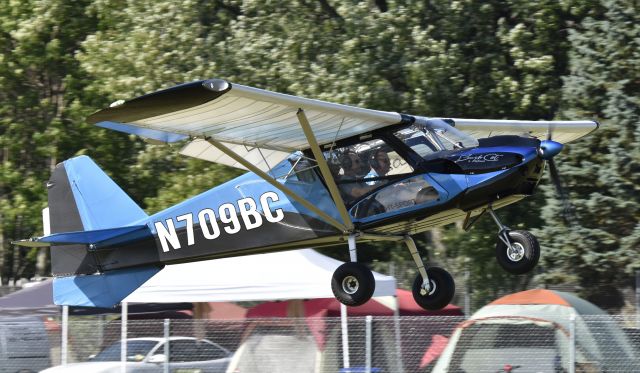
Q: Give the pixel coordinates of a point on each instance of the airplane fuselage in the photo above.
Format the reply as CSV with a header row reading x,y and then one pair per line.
x,y
247,215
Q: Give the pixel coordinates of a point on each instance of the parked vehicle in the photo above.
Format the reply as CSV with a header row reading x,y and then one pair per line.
x,y
24,345
148,355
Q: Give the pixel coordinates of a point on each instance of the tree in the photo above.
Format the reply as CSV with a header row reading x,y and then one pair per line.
x,y
599,251
38,92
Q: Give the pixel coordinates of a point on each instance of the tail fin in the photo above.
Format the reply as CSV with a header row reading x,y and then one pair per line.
x,y
86,206
83,198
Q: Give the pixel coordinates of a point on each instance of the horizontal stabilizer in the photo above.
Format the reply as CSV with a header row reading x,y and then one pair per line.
x,y
104,290
99,236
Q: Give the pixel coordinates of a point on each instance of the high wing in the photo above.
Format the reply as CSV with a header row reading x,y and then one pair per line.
x,y
262,126
237,114
560,131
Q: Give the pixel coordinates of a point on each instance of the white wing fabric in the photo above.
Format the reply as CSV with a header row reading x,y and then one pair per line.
x,y
237,114
263,126
560,131
264,159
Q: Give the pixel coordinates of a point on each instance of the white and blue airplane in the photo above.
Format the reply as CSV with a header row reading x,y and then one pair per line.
x,y
320,174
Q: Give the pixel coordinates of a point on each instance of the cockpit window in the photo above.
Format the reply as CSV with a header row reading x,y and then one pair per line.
x,y
297,167
434,135
360,168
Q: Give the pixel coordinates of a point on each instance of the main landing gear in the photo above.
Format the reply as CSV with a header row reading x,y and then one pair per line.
x,y
353,283
517,251
433,287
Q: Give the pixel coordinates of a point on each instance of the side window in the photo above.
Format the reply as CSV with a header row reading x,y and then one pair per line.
x,y
183,351
296,167
406,193
208,351
361,168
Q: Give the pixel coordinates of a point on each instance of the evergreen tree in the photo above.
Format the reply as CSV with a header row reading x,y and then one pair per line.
x,y
599,251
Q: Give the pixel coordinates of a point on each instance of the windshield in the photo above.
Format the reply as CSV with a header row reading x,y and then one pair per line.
x,y
136,351
429,136
360,168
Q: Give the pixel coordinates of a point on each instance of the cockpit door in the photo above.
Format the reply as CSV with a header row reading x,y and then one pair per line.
x,y
412,193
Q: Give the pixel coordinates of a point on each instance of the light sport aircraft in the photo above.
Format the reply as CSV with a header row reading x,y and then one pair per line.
x,y
321,174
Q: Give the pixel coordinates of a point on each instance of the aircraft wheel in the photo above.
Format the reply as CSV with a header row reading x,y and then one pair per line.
x,y
523,255
440,292
353,284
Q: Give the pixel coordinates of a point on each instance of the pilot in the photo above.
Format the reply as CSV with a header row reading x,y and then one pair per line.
x,y
380,165
351,184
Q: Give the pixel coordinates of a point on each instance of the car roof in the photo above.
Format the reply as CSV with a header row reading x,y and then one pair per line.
x,y
161,339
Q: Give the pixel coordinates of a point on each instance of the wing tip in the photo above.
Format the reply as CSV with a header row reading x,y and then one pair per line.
x,y
217,85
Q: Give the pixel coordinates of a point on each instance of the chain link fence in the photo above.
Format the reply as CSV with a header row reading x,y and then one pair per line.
x,y
374,344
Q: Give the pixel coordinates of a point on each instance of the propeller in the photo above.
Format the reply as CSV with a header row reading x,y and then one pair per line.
x,y
549,149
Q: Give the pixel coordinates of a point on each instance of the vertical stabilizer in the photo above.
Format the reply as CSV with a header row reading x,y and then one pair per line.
x,y
82,198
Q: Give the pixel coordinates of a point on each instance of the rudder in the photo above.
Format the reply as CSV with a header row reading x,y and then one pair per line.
x,y
82,198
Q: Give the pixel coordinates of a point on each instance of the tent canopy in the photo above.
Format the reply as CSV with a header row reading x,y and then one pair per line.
x,y
296,274
374,307
37,299
597,336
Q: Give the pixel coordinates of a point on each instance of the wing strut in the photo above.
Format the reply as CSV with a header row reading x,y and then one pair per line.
x,y
266,177
324,169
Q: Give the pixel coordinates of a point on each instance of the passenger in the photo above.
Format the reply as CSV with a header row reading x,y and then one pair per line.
x,y
380,165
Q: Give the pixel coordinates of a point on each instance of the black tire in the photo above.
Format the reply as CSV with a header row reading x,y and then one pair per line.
x,y
353,284
441,292
526,256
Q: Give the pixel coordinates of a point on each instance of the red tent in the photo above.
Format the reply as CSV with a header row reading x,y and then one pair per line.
x,y
331,307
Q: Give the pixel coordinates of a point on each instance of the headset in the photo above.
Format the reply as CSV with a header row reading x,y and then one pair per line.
x,y
373,159
345,159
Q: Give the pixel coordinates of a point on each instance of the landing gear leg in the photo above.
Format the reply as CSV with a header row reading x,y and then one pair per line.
x,y
517,251
433,287
353,283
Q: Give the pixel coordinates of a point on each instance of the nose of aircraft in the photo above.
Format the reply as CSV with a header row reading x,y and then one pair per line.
x,y
549,149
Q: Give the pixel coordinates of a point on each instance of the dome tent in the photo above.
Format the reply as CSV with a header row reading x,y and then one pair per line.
x,y
532,330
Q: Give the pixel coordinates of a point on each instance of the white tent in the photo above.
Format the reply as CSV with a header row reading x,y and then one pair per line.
x,y
296,274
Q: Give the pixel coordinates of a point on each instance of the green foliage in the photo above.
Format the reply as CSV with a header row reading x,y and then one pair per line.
x,y
38,40
603,170
61,60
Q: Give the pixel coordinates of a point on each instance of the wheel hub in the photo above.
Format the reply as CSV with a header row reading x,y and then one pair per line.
x,y
350,284
515,253
432,289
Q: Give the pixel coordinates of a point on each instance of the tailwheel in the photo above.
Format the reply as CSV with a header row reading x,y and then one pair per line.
x,y
353,284
519,254
440,291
